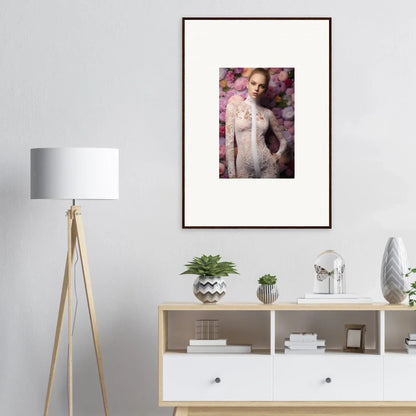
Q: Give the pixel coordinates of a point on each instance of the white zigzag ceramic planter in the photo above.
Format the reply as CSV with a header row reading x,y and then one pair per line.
x,y
393,270
209,289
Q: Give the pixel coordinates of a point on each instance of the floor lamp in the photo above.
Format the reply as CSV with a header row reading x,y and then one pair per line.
x,y
74,173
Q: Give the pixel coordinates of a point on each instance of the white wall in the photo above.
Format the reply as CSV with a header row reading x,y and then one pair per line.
x,y
108,73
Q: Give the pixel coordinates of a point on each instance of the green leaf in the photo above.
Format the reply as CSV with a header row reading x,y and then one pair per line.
x,y
267,279
210,266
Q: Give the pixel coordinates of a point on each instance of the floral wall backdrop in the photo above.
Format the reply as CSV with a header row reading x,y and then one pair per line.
x,y
280,98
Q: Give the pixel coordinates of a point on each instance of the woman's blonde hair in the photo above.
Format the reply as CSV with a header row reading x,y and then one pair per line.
x,y
262,71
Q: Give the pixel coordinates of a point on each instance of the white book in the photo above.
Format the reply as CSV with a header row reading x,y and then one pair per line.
x,y
301,347
207,342
410,342
304,344
331,296
412,337
410,349
303,336
219,349
319,350
335,300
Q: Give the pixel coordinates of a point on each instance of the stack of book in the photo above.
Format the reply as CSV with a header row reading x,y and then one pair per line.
x,y
215,346
410,343
333,298
304,343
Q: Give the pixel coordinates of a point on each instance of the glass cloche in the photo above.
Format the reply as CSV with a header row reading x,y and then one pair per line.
x,y
329,273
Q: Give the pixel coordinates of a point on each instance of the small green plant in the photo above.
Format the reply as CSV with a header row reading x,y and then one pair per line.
x,y
267,279
412,291
210,266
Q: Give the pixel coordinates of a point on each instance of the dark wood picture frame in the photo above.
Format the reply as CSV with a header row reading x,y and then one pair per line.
x,y
348,347
188,192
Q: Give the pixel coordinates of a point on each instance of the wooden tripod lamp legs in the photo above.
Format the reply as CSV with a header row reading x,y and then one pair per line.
x,y
91,308
64,294
69,290
75,232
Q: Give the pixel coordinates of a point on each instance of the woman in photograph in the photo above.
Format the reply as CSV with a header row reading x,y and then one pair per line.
x,y
248,122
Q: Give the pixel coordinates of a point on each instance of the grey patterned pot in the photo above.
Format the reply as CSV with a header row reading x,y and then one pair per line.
x,y
393,270
267,293
209,289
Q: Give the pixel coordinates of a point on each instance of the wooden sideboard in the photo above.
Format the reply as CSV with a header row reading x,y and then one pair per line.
x,y
269,382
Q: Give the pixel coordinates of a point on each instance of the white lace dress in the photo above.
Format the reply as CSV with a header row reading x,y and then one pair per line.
x,y
254,159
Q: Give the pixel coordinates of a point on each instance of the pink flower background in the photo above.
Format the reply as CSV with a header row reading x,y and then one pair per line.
x,y
280,98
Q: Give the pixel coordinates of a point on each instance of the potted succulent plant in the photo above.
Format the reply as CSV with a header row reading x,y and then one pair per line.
x,y
209,287
267,291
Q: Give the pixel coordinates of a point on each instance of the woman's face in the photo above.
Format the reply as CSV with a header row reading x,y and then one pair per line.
x,y
256,85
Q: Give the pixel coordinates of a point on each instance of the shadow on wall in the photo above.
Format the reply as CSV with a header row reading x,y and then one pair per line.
x,y
17,301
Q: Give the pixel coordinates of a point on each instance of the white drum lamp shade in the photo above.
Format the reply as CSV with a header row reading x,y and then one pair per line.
x,y
74,173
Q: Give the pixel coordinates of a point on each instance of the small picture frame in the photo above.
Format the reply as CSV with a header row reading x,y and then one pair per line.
x,y
354,338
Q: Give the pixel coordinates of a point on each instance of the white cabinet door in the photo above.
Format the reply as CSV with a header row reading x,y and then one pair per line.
x,y
399,377
219,377
328,377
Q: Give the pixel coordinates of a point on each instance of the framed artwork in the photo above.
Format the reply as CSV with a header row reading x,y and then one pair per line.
x,y
354,338
256,123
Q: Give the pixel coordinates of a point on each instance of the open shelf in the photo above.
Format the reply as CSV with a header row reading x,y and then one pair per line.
x,y
265,327
398,324
328,325
237,327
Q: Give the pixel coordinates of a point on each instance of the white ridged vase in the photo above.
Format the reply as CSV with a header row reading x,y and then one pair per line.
x,y
393,269
267,293
209,289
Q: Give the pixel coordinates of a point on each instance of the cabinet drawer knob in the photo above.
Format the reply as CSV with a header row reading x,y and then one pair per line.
x,y
328,380
217,380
